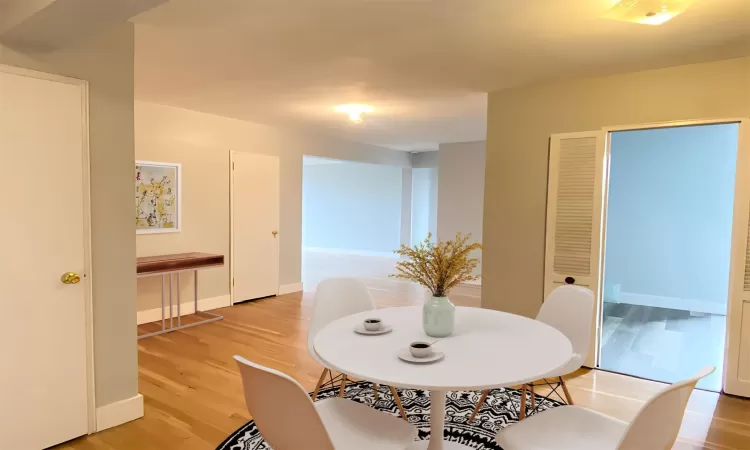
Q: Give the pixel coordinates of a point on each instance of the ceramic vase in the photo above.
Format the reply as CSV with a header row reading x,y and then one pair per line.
x,y
438,317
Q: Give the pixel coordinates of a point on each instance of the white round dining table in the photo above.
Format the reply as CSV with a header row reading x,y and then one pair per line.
x,y
488,349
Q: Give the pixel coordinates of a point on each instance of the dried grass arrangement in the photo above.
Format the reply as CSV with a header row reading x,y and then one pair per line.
x,y
438,266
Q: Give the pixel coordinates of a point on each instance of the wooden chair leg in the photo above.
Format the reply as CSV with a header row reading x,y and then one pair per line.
x,y
320,383
397,399
568,398
522,413
343,385
375,391
533,398
481,401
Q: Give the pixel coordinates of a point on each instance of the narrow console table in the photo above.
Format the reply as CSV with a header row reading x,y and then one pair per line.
x,y
172,265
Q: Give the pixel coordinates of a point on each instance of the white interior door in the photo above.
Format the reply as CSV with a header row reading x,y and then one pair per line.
x,y
574,217
737,365
43,381
255,226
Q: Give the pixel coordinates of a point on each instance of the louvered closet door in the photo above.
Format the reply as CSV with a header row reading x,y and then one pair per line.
x,y
574,215
737,373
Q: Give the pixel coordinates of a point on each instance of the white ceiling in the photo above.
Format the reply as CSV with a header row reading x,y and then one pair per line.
x,y
425,65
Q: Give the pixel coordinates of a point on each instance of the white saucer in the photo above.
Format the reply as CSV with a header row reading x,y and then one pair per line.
x,y
405,355
360,329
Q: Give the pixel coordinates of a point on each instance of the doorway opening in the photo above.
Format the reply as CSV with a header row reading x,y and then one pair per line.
x,y
669,213
353,216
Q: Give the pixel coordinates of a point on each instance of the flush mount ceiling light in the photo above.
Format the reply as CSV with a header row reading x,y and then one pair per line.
x,y
647,12
355,111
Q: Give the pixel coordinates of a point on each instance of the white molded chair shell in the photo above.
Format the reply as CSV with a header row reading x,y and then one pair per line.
x,y
658,422
289,420
570,309
336,298
279,404
655,427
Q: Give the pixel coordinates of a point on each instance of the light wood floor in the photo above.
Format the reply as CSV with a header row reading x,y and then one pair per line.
x,y
193,394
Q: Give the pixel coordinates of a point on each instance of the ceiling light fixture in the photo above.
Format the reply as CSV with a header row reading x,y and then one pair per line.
x,y
647,12
355,111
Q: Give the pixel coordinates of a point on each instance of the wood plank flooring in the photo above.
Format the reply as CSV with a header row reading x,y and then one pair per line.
x,y
193,394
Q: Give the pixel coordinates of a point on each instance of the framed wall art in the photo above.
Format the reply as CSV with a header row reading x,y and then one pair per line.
x,y
158,201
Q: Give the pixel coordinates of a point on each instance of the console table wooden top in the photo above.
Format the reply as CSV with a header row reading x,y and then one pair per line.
x,y
177,262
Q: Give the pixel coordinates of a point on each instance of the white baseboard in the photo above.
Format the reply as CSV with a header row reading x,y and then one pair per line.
x,y
342,251
206,304
117,413
468,289
684,304
289,288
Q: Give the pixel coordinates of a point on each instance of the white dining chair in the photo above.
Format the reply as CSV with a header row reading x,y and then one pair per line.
x,y
655,427
570,309
336,298
289,420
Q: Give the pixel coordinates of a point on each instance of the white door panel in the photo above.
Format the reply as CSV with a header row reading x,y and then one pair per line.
x,y
574,216
743,367
43,382
255,220
737,365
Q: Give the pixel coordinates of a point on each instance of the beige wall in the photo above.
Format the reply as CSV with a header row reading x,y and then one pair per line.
x,y
106,61
202,142
520,122
460,189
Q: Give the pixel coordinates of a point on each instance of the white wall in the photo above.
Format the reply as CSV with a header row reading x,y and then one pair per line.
x,y
424,203
432,218
422,160
352,206
202,142
461,190
406,202
448,192
669,217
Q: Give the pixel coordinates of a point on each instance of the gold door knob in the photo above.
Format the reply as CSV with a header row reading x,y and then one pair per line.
x,y
70,278
274,233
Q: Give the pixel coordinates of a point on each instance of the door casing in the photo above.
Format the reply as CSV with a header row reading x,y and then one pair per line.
x,y
734,306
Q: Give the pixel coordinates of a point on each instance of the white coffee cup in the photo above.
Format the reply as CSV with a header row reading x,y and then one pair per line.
x,y
420,349
373,324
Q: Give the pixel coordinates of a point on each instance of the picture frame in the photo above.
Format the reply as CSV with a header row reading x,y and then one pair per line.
x,y
158,197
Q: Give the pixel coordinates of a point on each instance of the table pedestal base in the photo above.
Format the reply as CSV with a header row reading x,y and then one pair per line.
x,y
437,425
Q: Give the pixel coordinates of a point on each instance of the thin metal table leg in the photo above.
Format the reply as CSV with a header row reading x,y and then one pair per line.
x,y
209,316
163,320
195,293
179,301
171,324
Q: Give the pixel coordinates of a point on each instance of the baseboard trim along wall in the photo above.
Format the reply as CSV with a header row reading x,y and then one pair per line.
x,y
206,304
341,251
117,413
289,288
468,289
468,294
684,304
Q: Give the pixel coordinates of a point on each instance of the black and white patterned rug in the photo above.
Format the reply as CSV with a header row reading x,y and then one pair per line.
x,y
500,410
